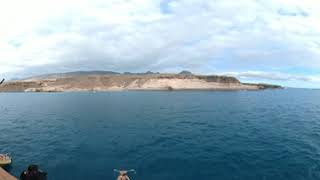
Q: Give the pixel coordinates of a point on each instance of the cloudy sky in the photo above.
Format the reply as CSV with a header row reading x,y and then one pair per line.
x,y
272,41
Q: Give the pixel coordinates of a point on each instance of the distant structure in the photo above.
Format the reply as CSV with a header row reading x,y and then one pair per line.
x,y
2,81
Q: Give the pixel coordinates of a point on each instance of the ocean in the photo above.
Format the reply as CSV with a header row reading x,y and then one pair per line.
x,y
165,135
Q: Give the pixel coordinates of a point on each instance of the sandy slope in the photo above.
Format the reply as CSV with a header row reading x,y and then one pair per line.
x,y
129,82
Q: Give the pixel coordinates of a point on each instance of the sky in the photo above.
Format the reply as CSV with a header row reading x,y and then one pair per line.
x,y
269,41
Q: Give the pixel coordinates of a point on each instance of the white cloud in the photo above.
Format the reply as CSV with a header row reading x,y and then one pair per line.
x,y
274,76
40,36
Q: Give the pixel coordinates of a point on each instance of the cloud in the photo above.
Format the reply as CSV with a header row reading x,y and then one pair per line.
x,y
41,36
273,76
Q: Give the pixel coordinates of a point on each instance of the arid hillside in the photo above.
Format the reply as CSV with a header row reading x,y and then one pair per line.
x,y
81,81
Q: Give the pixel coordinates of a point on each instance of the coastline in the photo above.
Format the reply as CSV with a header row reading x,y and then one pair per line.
x,y
124,82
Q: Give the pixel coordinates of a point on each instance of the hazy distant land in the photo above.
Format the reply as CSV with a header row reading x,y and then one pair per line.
x,y
113,81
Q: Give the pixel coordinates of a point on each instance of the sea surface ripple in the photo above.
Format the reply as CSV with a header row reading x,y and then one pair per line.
x,y
232,135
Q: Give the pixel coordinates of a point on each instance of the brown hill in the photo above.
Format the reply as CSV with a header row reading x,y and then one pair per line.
x,y
117,82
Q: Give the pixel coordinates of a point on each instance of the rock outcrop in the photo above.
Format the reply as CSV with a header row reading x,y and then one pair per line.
x,y
97,81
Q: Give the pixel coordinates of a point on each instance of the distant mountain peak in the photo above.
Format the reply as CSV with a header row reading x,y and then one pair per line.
x,y
184,72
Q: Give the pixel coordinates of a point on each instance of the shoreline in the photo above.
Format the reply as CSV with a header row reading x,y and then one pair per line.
x,y
158,82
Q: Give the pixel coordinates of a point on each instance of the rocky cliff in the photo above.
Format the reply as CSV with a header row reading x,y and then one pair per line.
x,y
134,81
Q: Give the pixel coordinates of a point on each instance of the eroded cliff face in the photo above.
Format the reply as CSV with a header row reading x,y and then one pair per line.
x,y
120,82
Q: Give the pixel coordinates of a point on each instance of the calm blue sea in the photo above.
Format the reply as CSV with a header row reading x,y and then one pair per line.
x,y
185,135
